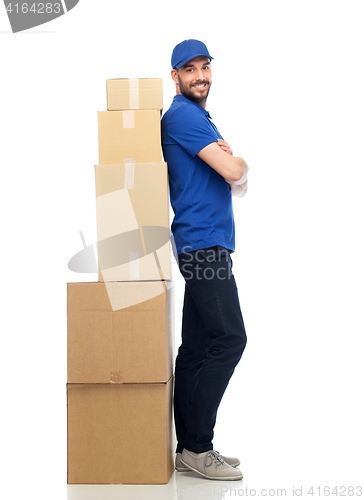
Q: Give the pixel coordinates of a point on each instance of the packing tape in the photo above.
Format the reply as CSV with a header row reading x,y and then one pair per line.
x,y
134,266
134,93
129,174
116,377
128,119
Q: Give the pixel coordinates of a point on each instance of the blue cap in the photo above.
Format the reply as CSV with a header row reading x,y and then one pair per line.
x,y
187,50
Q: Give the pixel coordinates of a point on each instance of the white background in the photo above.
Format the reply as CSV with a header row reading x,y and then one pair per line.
x,y
288,97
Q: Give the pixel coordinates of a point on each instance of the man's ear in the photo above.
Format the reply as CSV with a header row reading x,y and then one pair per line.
x,y
174,75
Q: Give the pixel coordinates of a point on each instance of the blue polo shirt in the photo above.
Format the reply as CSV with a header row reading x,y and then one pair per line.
x,y
200,197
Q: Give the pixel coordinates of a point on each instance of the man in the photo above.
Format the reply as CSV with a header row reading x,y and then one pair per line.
x,y
203,174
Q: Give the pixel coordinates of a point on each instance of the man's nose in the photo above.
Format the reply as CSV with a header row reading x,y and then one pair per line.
x,y
199,74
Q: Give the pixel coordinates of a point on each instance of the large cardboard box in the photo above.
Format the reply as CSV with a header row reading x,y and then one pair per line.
x,y
120,332
126,136
134,93
120,433
132,217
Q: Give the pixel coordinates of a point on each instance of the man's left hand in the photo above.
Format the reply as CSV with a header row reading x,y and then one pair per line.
x,y
224,146
238,188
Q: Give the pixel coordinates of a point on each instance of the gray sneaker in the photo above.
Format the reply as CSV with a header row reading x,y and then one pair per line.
x,y
232,461
210,465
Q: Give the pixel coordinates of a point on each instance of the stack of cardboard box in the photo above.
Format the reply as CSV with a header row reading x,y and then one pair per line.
x,y
120,329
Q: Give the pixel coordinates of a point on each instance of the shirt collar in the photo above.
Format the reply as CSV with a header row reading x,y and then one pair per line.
x,y
182,98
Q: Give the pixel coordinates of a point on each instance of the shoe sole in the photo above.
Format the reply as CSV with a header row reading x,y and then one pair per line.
x,y
228,478
185,469
182,469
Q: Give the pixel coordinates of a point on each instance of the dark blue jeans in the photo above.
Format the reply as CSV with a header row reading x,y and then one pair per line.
x,y
213,341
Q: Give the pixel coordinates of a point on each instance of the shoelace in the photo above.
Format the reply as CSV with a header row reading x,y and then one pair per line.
x,y
215,457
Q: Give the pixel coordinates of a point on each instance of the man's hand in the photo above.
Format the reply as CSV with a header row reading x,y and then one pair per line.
x,y
230,167
238,188
224,146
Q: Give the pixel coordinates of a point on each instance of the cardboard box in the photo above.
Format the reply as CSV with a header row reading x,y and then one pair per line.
x,y
132,217
120,434
134,93
120,332
126,136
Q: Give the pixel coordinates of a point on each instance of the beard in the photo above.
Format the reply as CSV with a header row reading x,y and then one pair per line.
x,y
194,95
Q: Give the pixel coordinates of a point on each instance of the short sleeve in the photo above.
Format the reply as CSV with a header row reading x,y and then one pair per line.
x,y
191,129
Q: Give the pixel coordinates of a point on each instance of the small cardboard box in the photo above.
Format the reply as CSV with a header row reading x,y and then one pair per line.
x,y
132,216
129,136
134,93
120,332
120,433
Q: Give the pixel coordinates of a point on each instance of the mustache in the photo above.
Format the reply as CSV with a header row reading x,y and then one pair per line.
x,y
200,83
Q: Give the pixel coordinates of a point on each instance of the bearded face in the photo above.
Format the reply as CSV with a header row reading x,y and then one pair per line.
x,y
194,79
197,91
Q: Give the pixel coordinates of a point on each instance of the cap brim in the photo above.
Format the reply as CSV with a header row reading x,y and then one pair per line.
x,y
186,59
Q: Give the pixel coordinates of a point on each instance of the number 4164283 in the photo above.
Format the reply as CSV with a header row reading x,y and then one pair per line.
x,y
35,8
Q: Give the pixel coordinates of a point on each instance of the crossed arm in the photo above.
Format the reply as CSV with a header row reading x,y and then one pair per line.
x,y
220,157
